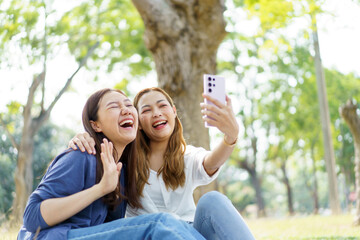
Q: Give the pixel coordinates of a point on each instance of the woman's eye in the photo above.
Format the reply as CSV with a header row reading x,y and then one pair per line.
x,y
163,105
146,110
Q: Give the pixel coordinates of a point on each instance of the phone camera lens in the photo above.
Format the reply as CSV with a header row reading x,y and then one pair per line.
x,y
209,78
213,85
210,90
209,84
213,79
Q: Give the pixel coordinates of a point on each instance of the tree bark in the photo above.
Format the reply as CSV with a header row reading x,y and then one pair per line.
x,y
23,173
325,123
258,192
286,181
314,194
348,112
256,183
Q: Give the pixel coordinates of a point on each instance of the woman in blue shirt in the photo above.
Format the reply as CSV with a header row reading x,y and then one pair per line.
x,y
78,190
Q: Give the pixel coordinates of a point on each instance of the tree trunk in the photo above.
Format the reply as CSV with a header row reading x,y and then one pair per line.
x,y
258,192
23,175
325,123
315,195
288,189
348,112
256,183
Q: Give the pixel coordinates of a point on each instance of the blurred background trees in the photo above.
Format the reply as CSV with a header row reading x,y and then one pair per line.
x,y
265,50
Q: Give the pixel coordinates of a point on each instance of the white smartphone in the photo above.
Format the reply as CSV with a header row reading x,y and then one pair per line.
x,y
214,86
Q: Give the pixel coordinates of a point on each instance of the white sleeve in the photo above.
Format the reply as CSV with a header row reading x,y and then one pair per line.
x,y
194,158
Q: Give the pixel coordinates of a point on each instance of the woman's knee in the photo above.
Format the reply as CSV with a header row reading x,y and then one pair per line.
x,y
213,199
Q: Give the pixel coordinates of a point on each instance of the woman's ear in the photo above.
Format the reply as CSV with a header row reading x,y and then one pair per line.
x,y
95,126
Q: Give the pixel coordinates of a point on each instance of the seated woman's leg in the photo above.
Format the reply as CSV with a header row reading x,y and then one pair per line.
x,y
217,218
148,226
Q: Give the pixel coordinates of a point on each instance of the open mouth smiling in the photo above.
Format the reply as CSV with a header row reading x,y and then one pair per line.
x,y
159,124
128,123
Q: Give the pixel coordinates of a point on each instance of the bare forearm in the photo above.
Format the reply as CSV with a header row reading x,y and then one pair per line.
x,y
216,158
57,210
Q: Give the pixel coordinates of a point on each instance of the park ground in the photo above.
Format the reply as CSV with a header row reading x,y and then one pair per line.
x,y
305,228
293,228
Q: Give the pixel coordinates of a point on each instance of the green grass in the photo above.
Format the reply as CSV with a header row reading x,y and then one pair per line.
x,y
305,228
291,228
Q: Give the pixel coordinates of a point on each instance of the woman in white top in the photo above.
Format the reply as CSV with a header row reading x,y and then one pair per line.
x,y
169,170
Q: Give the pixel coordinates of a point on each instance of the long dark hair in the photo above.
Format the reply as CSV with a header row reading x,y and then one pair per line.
x,y
173,167
128,157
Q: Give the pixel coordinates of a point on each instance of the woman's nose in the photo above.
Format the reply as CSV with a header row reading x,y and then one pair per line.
x,y
125,111
156,112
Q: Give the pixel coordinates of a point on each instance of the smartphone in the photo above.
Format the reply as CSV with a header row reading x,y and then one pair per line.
x,y
214,86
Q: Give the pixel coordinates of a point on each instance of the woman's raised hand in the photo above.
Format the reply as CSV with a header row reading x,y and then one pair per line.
x,y
221,116
112,170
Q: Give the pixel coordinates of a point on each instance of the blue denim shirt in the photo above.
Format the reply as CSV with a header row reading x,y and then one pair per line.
x,y
70,172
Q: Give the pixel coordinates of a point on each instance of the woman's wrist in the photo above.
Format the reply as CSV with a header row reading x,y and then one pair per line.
x,y
99,191
228,141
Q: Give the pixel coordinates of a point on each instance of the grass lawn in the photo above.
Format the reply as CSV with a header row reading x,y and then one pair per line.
x,y
292,228
305,228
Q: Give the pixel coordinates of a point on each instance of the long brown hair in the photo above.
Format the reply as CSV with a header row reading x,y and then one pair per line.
x,y
173,167
128,157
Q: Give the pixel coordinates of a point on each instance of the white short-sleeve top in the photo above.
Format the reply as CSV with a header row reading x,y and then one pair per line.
x,y
179,202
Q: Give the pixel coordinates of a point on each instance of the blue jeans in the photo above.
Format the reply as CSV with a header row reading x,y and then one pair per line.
x,y
217,218
148,226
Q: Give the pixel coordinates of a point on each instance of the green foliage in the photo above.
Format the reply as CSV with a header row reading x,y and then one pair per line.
x,y
122,86
32,32
8,156
116,25
286,106
20,22
14,107
7,167
271,13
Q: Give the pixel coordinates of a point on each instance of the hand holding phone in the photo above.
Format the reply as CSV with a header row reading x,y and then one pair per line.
x,y
214,86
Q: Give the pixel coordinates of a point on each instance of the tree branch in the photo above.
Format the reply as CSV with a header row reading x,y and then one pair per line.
x,y
30,99
45,61
45,114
